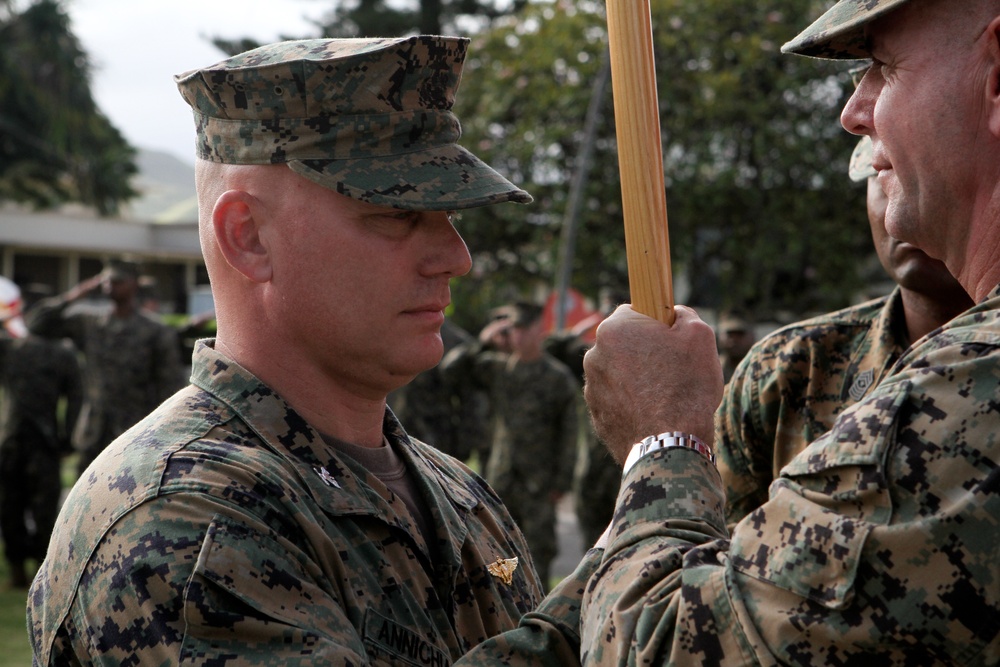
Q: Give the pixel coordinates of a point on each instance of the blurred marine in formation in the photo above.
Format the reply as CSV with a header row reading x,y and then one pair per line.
x,y
131,361
794,383
36,375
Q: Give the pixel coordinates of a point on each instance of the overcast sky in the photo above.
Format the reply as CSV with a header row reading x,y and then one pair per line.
x,y
138,45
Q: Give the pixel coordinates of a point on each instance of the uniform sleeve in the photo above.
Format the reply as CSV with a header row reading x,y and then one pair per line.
x,y
468,366
183,579
648,602
48,317
877,546
744,437
546,637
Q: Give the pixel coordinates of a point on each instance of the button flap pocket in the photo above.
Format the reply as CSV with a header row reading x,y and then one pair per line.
x,y
858,437
808,537
257,578
801,547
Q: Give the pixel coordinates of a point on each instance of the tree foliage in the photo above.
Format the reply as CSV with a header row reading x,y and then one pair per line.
x,y
56,146
762,215
363,18
382,18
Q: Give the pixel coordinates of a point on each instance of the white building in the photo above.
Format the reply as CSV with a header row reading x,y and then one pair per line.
x,y
50,251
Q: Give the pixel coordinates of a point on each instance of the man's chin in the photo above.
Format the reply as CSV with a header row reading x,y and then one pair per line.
x,y
422,359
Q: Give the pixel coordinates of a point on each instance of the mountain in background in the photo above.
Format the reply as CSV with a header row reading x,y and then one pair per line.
x,y
166,187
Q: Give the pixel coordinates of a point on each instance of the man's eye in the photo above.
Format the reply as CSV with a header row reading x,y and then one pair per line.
x,y
858,73
396,224
885,70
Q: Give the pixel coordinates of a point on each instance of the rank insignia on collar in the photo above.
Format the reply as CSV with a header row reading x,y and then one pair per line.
x,y
503,569
327,478
862,381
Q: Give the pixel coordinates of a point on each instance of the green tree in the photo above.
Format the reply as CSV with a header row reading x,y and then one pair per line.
x,y
368,18
431,17
761,213
55,144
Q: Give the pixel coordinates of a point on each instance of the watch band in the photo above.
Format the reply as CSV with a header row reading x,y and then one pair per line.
x,y
668,439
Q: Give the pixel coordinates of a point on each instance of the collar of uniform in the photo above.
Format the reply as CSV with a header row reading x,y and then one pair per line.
x,y
423,460
434,473
881,347
331,480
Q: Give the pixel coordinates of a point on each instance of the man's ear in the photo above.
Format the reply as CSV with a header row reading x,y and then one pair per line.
x,y
993,82
238,234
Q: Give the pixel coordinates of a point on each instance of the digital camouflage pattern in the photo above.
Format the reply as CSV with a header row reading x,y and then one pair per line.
x,y
840,32
35,375
533,407
791,387
223,530
132,364
878,544
368,118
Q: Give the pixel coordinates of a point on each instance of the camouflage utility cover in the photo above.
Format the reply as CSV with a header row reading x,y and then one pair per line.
x,y
222,529
878,545
840,32
790,388
368,118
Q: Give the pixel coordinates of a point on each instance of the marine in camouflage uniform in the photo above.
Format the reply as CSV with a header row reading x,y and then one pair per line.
x,y
35,375
224,525
533,404
790,388
878,543
792,385
131,360
292,521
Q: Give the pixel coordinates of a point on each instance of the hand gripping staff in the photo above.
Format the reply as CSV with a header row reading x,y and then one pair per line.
x,y
640,158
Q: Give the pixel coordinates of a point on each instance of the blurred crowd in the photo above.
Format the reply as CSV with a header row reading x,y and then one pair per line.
x,y
76,371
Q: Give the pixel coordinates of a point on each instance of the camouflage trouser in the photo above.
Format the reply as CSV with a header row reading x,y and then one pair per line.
x,y
29,494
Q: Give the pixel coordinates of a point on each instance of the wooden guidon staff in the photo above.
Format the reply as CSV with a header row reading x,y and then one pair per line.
x,y
640,158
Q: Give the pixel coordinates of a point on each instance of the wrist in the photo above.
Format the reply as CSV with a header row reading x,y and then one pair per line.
x,y
663,441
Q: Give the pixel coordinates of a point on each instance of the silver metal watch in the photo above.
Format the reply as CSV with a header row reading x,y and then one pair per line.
x,y
668,439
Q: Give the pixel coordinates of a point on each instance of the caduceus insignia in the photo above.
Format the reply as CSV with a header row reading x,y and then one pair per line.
x,y
503,569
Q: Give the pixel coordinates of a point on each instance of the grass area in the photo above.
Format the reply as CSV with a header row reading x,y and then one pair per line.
x,y
15,647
